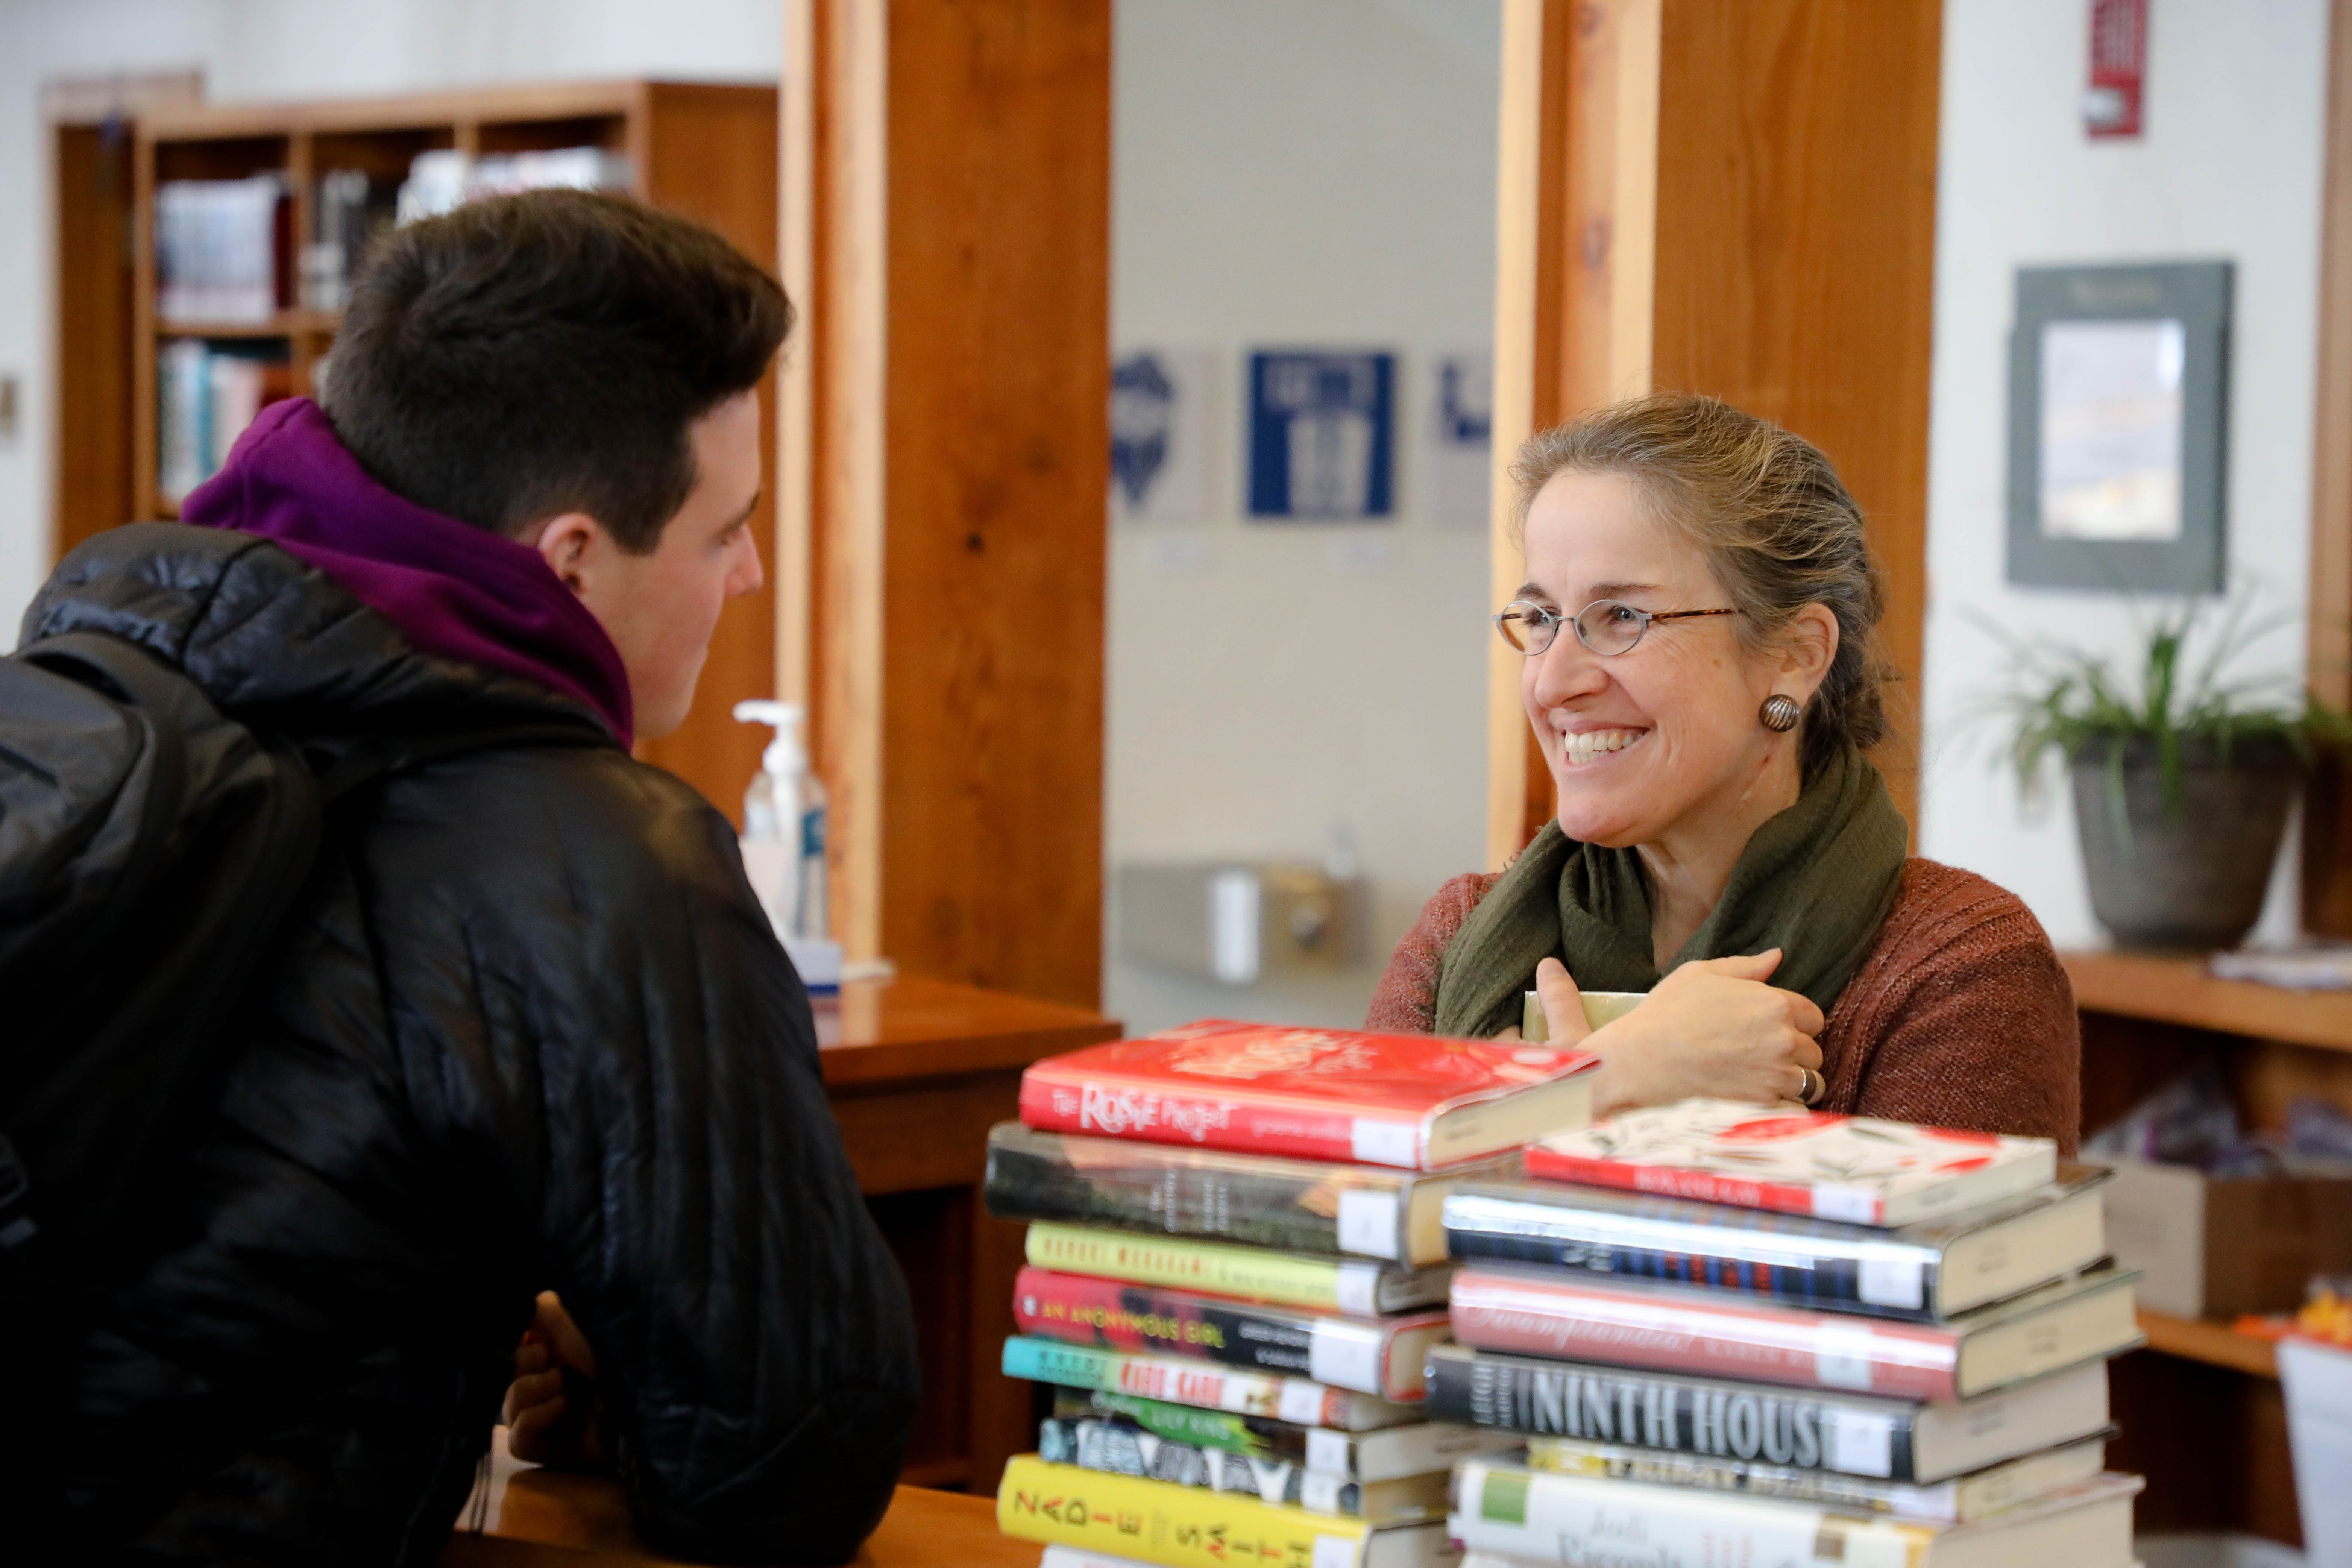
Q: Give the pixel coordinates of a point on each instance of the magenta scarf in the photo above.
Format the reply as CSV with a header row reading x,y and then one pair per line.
x,y
458,590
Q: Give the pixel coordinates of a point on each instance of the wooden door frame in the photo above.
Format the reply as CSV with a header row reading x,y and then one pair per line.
x,y
1621,120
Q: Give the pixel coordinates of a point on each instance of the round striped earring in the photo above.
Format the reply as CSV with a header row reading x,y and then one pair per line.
x,y
1779,713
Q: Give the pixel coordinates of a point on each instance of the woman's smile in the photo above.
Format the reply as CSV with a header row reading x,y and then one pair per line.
x,y
1581,748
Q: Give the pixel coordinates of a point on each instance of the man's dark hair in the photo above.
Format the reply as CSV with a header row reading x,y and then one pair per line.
x,y
546,353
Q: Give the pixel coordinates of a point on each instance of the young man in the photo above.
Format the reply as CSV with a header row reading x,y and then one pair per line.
x,y
527,1028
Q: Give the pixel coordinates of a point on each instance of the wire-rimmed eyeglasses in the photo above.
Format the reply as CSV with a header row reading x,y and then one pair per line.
x,y
1605,626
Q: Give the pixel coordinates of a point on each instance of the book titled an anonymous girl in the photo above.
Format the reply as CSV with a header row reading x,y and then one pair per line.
x,y
1412,1101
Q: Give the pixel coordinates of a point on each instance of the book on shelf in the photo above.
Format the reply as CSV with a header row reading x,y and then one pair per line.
x,y
350,210
1191,1526
1674,1329
1181,1382
1928,1270
1962,1499
1350,1285
1216,1194
1387,1455
1124,1450
220,248
1370,1355
1853,1168
1412,1101
1581,1521
443,178
205,397
1724,1418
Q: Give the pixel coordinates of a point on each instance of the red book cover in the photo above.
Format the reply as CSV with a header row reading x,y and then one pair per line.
x,y
1668,1331
1318,1094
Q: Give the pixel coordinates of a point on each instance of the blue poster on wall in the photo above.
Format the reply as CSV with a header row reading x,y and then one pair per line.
x,y
1322,436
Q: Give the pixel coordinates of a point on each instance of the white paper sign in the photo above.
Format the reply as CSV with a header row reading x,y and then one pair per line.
x,y
2111,429
1161,432
1457,423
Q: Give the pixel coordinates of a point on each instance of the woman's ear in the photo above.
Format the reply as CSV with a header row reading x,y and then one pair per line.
x,y
1809,646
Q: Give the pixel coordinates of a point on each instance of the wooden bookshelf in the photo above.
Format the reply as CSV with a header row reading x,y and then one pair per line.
x,y
708,150
2201,1407
2181,991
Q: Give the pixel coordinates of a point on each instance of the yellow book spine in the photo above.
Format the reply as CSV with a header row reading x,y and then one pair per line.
x,y
1246,1271
1166,1523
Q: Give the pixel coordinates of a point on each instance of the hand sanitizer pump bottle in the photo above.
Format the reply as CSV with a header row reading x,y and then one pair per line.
x,y
783,846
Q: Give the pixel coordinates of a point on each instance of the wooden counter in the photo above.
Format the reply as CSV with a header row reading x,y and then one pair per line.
x,y
539,1518
918,1071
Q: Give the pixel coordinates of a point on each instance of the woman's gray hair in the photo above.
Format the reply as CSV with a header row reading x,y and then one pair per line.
x,y
1778,527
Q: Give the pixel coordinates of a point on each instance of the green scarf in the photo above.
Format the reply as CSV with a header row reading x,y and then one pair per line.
x,y
1816,881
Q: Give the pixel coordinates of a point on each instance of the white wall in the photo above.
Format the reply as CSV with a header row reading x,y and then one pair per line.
x,y
2229,168
290,49
1316,172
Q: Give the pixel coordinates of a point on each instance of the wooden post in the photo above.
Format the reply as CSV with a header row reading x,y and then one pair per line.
x,y
1575,219
2328,807
954,408
1736,197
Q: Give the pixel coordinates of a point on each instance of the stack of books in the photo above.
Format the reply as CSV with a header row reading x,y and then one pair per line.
x,y
1730,1335
1236,1274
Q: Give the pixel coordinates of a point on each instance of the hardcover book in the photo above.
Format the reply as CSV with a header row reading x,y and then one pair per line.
x,y
1963,1500
1578,1521
1412,1102
1718,1419
1179,1382
1370,1355
1852,1168
1123,1450
1390,1455
1670,1329
1360,1289
1926,1271
1191,1526
1216,1194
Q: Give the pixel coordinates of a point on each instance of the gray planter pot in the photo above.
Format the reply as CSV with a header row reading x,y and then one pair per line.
x,y
2188,873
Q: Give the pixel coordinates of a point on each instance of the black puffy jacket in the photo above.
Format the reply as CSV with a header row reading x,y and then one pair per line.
x,y
527,1028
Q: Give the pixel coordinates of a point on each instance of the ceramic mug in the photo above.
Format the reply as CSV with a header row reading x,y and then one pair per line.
x,y
1600,1008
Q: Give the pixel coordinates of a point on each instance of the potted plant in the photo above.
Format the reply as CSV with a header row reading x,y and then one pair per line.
x,y
2181,779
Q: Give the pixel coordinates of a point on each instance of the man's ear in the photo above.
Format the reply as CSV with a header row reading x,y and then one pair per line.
x,y
1810,646
568,543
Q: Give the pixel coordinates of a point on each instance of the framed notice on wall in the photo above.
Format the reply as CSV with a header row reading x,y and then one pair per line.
x,y
1322,437
2119,416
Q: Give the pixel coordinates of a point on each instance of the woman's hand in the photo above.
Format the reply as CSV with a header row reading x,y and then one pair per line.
x,y
1711,1028
551,1409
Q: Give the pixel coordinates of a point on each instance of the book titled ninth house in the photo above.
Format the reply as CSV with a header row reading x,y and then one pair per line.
x,y
1410,1101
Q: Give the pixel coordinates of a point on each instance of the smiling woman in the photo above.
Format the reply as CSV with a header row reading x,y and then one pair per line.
x,y
1698,621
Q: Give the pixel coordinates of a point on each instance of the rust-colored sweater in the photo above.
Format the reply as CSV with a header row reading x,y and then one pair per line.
x,y
1960,1016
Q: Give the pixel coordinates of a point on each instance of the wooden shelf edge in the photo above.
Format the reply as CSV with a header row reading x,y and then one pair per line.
x,y
2215,1344
2180,991
284,324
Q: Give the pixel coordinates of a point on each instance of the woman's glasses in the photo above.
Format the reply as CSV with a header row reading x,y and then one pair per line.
x,y
1604,626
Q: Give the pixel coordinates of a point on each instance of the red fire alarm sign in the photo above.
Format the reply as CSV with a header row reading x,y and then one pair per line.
x,y
2111,103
